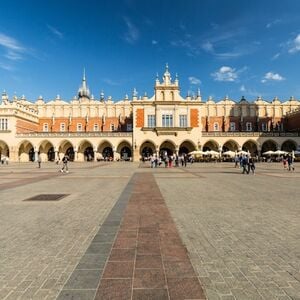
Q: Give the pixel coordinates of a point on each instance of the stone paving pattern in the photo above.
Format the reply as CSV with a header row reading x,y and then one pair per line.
x,y
241,231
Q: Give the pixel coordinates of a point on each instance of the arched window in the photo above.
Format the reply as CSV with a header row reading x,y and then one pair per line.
x,y
216,126
79,127
45,127
62,127
96,127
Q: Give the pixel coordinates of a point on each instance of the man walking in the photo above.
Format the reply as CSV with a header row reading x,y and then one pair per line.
x,y
65,164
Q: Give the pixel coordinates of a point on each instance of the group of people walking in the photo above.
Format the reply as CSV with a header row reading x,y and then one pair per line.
x,y
168,160
246,163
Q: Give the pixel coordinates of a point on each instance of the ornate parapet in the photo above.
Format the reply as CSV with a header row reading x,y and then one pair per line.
x,y
249,133
75,134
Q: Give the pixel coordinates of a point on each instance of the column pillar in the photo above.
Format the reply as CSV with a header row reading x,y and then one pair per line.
x,y
36,155
95,154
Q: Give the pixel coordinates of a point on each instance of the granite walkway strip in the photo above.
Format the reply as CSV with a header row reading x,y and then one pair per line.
x,y
83,282
148,259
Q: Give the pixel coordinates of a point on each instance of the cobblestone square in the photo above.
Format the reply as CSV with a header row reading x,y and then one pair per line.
x,y
241,232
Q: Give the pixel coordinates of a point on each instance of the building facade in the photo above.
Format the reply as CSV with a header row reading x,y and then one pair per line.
x,y
86,128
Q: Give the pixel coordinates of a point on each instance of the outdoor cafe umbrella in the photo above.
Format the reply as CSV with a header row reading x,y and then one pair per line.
x,y
212,152
229,153
270,152
196,152
280,152
242,152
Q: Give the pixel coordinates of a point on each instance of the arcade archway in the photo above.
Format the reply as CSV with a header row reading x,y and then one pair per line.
x,y
289,146
211,145
230,146
85,151
124,151
186,147
26,152
147,149
269,145
250,146
66,148
166,148
4,150
46,151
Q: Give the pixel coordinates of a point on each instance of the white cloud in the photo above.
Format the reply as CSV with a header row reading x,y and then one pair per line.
x,y
272,23
154,42
275,56
194,80
225,74
242,88
132,34
208,47
270,76
110,82
13,48
6,67
295,45
55,31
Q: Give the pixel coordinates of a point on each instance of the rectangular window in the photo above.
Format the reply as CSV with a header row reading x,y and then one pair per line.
x,y
167,120
79,127
3,124
45,127
62,127
232,126
129,127
151,121
112,127
96,127
264,126
248,126
182,120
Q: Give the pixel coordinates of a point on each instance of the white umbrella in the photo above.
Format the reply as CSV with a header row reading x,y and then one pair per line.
x,y
280,152
212,152
270,152
229,153
242,152
196,152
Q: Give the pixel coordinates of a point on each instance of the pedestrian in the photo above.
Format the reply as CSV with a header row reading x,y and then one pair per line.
x,y
251,165
39,160
290,163
65,167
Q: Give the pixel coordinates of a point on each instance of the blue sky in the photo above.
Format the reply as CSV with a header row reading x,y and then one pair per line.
x,y
234,47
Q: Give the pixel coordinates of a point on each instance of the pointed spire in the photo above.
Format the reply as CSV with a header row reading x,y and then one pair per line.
x,y
102,96
84,90
167,76
198,93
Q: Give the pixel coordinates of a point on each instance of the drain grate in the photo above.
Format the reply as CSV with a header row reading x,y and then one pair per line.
x,y
47,197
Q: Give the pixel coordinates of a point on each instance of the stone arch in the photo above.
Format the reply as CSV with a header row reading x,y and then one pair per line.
x,y
186,147
124,150
66,148
85,151
147,149
251,146
167,147
4,150
106,149
269,145
46,151
26,151
230,145
211,145
289,146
